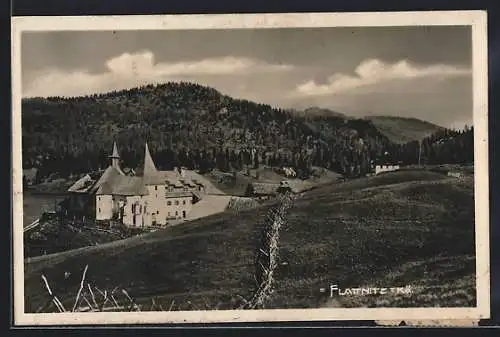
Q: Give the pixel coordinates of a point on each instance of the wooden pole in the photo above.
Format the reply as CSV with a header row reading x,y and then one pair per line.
x,y
419,151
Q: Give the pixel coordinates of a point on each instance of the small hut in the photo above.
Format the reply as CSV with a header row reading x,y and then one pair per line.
x,y
29,176
262,191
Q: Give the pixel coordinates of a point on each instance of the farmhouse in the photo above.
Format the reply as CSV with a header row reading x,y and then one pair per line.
x,y
380,168
454,174
262,190
138,201
289,172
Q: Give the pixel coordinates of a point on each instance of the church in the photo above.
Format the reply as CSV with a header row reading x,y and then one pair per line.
x,y
153,199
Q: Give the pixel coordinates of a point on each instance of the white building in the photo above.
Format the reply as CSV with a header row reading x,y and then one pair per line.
x,y
138,201
385,168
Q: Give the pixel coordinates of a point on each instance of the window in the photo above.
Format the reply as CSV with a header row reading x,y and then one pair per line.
x,y
168,213
177,202
176,213
99,209
156,188
169,203
183,202
157,212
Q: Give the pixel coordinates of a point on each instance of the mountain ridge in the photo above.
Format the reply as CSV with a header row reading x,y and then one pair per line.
x,y
398,129
404,129
188,118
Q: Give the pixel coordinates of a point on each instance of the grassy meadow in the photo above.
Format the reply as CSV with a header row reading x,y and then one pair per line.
x,y
408,227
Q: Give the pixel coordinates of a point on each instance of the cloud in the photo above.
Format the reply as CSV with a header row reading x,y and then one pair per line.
x,y
372,72
132,69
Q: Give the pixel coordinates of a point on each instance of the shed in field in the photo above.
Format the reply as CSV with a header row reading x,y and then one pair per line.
x,y
262,190
454,174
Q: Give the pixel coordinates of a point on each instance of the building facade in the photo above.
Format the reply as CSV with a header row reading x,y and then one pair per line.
x,y
155,198
385,168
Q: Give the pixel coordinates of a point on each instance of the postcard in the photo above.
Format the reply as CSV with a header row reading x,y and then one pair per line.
x,y
250,168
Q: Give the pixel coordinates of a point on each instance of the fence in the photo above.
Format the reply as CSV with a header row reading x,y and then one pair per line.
x,y
268,252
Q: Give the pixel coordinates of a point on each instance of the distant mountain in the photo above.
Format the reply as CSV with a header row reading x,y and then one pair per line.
x,y
403,129
316,111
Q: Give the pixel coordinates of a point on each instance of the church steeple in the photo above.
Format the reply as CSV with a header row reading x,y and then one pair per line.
x,y
149,165
115,157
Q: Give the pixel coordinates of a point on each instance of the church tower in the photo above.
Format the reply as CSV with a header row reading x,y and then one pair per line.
x,y
115,158
149,165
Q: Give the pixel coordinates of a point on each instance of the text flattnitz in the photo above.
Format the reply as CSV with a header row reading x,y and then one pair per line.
x,y
335,290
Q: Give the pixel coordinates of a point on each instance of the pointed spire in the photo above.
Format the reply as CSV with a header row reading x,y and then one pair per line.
x,y
115,158
115,152
149,165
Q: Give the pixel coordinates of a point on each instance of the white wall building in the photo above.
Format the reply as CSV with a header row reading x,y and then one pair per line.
x,y
154,198
385,168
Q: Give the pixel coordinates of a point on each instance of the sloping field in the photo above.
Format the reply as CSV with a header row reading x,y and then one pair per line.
x,y
210,204
389,228
401,130
237,185
210,188
366,231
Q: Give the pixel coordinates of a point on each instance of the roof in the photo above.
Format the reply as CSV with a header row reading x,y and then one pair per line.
x,y
178,195
82,185
265,188
117,184
152,176
387,164
111,181
128,171
86,183
149,165
173,178
115,151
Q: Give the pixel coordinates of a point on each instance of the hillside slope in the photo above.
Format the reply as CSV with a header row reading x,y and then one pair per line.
x,y
317,111
401,129
411,226
184,124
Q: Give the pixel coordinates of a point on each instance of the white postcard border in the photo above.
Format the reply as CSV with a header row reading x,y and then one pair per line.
x,y
476,19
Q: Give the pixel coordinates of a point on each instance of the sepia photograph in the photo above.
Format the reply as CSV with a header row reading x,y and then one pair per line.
x,y
250,168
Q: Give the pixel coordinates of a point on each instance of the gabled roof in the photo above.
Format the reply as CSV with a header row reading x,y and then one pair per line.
x,y
265,188
111,182
117,184
86,183
178,195
107,177
82,185
173,178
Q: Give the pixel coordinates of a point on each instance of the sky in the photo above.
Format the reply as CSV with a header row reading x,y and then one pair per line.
x,y
421,72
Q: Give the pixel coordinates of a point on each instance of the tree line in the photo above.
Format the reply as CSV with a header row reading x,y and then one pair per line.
x,y
197,127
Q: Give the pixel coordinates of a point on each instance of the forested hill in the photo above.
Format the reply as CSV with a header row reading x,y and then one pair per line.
x,y
200,128
187,124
